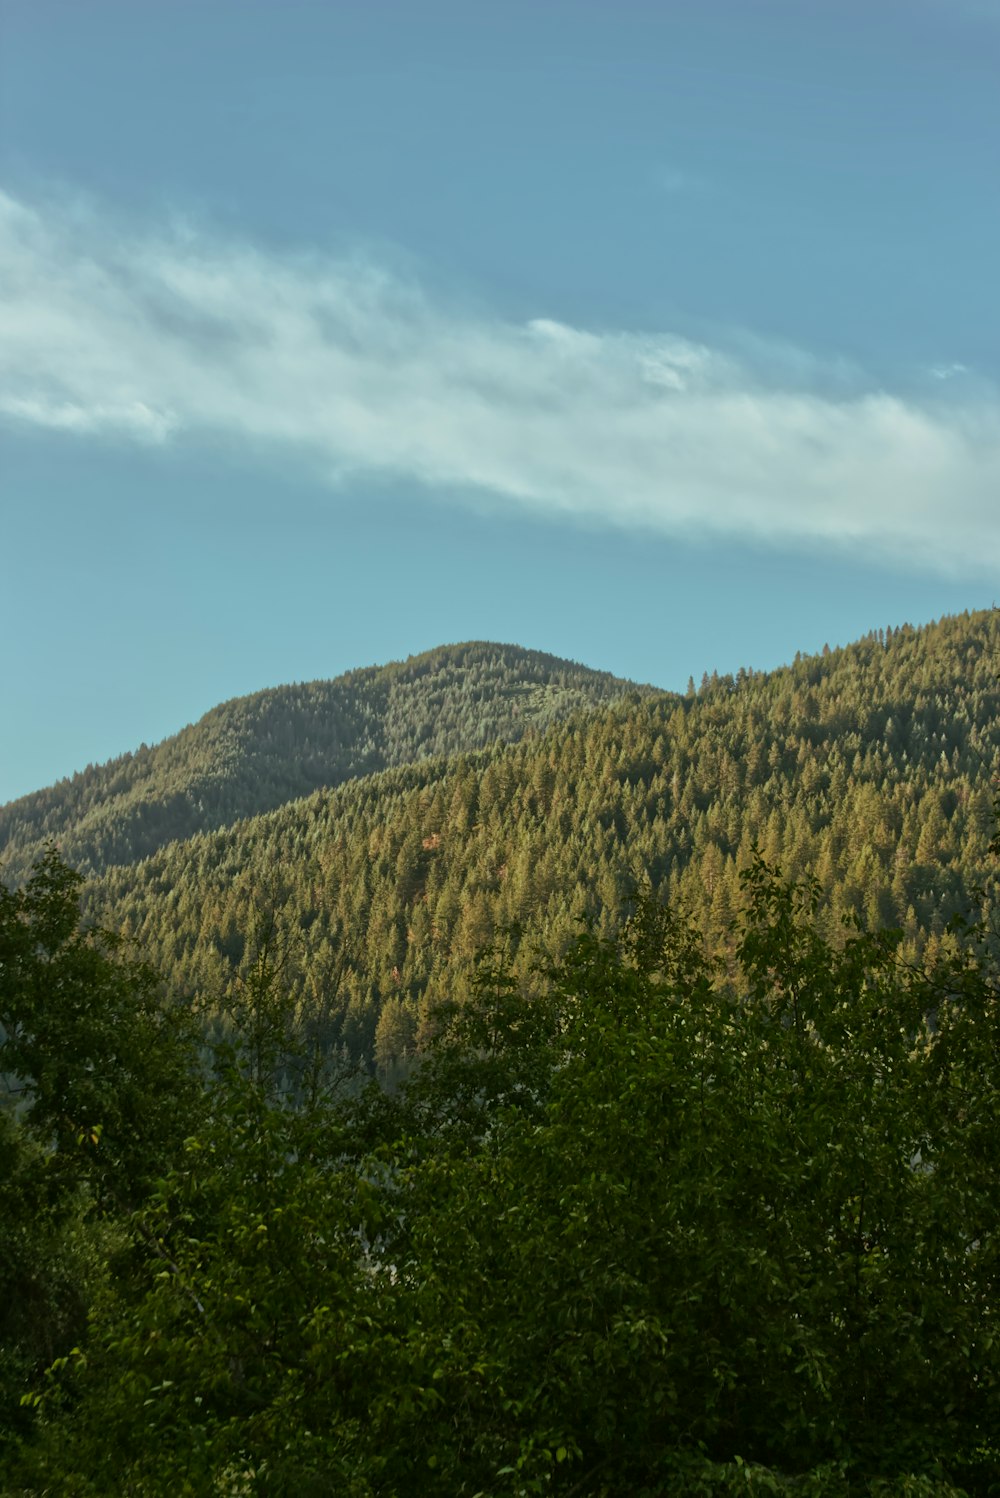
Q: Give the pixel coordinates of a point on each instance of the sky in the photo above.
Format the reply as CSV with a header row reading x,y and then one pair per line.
x,y
661,336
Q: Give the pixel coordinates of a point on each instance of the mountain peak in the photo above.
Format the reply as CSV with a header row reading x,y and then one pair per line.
x,y
254,753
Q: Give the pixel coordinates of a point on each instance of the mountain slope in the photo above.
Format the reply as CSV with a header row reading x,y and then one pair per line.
x,y
870,768
255,753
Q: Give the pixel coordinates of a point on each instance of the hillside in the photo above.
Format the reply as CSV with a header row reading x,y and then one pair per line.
x,y
870,768
255,753
757,1155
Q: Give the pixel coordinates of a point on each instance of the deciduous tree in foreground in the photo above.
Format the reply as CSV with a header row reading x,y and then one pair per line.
x,y
655,1227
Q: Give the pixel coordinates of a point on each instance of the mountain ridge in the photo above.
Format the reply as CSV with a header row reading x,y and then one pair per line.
x,y
253,753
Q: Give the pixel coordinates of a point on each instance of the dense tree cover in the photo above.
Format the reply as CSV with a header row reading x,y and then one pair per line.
x,y
90,1054
100,1084
867,768
644,1222
255,753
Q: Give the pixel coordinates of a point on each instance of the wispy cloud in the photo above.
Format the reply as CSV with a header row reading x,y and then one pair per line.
x,y
947,371
164,336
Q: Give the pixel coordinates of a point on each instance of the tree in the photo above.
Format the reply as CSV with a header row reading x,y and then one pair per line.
x,y
51,1264
101,1086
104,1071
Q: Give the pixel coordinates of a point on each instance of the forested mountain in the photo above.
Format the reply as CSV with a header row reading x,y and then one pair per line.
x,y
869,768
255,753
698,1198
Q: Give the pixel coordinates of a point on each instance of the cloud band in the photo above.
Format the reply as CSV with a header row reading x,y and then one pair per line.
x,y
163,336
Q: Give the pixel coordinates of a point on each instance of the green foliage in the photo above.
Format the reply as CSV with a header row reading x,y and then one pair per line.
x,y
101,1069
101,1087
51,1264
648,1224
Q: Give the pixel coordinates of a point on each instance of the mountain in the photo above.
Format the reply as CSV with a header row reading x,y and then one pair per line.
x,y
757,1157
255,753
869,768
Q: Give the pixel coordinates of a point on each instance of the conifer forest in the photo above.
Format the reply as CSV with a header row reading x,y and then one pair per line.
x,y
484,1075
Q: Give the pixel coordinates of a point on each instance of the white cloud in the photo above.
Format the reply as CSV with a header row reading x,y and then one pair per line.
x,y
170,335
135,419
947,371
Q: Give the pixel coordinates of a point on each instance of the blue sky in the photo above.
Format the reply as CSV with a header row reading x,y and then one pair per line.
x,y
658,336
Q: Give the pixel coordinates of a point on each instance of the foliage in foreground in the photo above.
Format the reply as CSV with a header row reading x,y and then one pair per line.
x,y
652,1227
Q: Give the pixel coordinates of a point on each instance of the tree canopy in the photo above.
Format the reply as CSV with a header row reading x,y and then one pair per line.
x,y
646,1222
